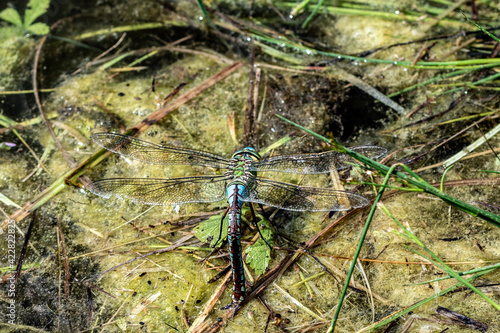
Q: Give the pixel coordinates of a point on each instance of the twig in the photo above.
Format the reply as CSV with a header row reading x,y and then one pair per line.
x,y
64,258
103,54
427,103
25,248
460,319
255,101
175,245
71,162
199,325
452,105
42,165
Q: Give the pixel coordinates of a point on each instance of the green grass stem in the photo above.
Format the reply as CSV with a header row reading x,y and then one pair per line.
x,y
472,271
478,82
482,29
358,249
205,14
114,61
441,187
283,41
141,59
439,78
313,13
134,27
367,10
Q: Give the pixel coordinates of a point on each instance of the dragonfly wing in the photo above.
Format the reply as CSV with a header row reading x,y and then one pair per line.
x,y
300,198
157,154
373,152
156,191
314,163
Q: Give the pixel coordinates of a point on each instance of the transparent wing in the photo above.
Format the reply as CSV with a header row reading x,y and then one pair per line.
x,y
315,163
157,191
300,198
157,154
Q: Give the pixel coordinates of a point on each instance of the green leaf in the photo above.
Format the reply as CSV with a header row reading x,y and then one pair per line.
x,y
259,254
208,231
11,15
39,29
35,9
265,229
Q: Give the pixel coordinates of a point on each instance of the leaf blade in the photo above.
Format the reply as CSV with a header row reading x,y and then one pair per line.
x,y
12,16
209,230
259,254
39,29
35,9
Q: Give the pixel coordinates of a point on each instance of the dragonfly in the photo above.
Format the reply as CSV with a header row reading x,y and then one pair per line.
x,y
239,184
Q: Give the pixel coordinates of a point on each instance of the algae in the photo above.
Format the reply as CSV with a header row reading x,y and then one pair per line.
x,y
166,292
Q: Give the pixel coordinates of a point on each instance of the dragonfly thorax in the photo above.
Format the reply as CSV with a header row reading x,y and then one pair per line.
x,y
239,171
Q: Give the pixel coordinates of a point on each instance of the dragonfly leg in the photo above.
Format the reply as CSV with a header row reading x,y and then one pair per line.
x,y
256,225
232,305
221,223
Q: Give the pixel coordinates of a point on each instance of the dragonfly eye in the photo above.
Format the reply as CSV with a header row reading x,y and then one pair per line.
x,y
247,151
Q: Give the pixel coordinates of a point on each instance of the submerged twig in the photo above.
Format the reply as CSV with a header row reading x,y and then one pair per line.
x,y
120,40
25,248
63,256
452,105
461,319
470,148
343,75
69,160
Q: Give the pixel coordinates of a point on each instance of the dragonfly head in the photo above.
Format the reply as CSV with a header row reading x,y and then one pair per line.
x,y
247,152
